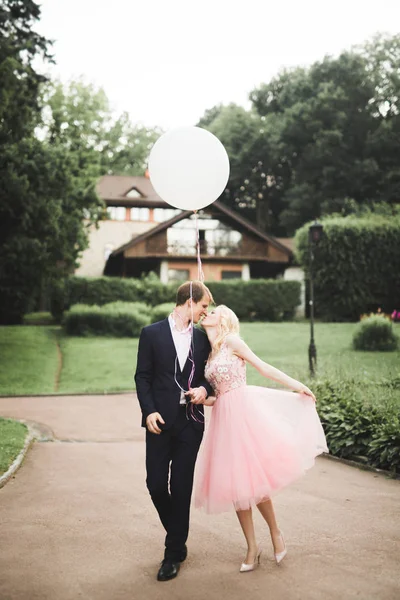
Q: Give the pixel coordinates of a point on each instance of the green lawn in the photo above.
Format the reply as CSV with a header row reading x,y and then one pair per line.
x,y
12,439
28,360
28,356
97,364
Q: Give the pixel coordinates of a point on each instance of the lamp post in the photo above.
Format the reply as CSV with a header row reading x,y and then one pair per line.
x,y
314,237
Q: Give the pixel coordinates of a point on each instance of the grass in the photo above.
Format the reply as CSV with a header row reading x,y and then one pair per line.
x,y
28,358
12,439
97,364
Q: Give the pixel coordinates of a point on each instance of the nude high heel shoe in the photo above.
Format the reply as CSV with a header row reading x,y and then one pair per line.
x,y
250,567
279,556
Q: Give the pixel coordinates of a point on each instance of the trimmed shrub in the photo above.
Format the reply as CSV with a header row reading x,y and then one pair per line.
x,y
375,333
103,290
162,311
114,320
356,429
258,299
355,266
119,305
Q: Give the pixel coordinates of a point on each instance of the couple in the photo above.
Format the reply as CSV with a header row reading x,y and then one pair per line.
x,y
258,441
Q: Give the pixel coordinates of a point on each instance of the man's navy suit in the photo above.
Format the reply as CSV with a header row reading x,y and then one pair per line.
x,y
180,439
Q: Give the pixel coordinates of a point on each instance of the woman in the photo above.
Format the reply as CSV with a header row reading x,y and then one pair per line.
x,y
258,440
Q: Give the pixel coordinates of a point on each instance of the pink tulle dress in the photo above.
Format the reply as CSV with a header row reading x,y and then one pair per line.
x,y
258,440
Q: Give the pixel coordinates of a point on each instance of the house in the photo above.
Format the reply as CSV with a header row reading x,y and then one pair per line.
x,y
142,233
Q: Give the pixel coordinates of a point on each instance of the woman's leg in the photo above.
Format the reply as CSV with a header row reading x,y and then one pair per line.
x,y
246,521
266,508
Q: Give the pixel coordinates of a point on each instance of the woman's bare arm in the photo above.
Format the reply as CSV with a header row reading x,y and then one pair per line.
x,y
241,349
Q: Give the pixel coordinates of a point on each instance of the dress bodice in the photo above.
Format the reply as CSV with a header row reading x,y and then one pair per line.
x,y
225,371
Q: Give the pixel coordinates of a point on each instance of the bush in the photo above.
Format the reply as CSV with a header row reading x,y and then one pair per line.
x,y
162,311
119,306
103,290
356,429
115,319
375,333
355,266
259,299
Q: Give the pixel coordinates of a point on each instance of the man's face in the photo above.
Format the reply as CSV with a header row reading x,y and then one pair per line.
x,y
200,308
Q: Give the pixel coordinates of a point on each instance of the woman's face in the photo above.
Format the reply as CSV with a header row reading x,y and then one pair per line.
x,y
212,319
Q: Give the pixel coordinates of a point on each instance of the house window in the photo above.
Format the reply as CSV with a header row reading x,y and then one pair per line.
x,y
178,274
133,193
164,214
140,214
231,274
116,213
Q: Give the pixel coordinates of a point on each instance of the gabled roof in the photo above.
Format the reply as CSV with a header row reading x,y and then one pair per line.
x,y
113,189
225,211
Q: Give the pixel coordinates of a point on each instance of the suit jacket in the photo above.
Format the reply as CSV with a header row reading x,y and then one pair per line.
x,y
155,384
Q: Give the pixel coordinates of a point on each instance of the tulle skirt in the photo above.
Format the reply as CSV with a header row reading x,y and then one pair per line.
x,y
258,440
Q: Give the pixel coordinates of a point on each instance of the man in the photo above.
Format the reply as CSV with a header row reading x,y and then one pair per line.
x,y
173,414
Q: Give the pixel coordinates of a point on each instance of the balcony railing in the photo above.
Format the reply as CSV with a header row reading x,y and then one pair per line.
x,y
206,248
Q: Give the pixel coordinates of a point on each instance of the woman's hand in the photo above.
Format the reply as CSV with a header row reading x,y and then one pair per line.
x,y
303,389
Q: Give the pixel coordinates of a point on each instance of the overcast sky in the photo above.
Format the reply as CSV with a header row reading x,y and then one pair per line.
x,y
167,61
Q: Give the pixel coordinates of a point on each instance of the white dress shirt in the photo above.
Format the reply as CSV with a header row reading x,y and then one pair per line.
x,y
182,341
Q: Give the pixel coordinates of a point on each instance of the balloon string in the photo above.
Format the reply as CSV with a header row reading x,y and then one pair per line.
x,y
192,407
200,274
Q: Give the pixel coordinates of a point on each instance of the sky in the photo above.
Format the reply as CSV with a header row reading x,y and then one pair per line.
x,y
166,61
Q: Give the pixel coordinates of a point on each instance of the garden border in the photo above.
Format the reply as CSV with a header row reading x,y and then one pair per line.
x,y
15,465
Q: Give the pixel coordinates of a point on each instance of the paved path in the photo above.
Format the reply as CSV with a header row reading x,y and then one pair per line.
x,y
77,522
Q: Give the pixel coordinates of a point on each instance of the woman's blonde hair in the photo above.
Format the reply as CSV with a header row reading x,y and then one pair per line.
x,y
228,324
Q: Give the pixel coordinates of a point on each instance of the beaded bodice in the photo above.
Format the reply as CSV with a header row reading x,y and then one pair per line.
x,y
225,371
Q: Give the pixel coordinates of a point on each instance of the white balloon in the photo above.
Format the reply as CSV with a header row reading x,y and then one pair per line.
x,y
188,168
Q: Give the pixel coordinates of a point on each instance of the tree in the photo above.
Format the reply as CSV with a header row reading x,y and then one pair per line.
x,y
44,193
19,82
337,126
79,117
315,138
245,138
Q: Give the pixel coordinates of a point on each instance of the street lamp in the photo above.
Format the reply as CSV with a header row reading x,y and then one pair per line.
x,y
314,237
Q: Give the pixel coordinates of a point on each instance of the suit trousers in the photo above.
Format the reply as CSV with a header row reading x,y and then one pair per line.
x,y
170,462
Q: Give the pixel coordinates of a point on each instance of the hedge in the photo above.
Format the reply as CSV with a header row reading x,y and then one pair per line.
x,y
356,429
259,299
356,266
118,319
162,311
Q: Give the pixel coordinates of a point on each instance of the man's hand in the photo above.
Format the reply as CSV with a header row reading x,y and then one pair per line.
x,y
197,395
151,422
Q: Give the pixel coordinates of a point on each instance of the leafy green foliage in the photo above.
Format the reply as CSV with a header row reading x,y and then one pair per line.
x,y
375,333
270,300
316,137
116,319
162,311
45,191
355,268
356,429
78,117
258,299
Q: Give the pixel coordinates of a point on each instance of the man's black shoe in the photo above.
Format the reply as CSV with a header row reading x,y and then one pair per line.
x,y
183,554
168,570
